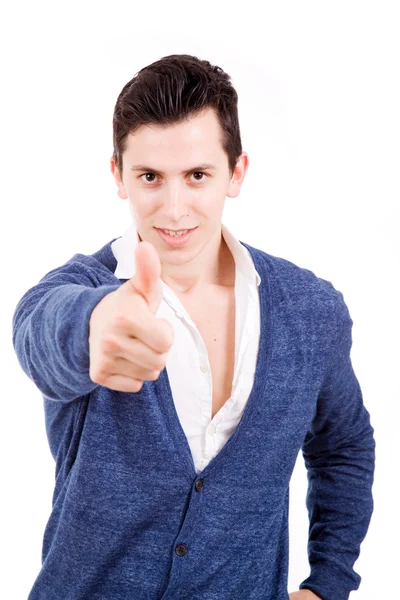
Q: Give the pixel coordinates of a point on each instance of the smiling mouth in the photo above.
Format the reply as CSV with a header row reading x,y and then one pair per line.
x,y
176,230
175,239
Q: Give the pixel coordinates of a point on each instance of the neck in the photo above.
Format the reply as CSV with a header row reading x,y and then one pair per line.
x,y
214,266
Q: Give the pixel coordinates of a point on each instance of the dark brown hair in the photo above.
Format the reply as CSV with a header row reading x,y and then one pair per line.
x,y
172,89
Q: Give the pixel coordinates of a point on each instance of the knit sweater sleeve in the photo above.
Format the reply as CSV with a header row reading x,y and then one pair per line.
x,y
339,455
50,329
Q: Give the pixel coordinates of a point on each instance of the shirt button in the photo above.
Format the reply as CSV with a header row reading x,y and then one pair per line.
x,y
181,549
179,315
199,485
205,368
211,429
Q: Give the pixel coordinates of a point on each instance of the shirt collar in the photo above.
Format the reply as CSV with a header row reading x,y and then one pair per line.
x,y
123,249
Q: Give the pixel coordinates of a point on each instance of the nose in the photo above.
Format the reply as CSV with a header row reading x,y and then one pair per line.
x,y
175,204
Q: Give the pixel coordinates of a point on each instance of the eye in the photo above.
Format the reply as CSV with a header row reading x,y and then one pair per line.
x,y
140,177
153,174
199,173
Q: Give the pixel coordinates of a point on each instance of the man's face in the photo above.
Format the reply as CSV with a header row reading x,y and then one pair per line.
x,y
172,191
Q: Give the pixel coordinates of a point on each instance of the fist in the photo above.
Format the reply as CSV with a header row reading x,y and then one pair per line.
x,y
127,342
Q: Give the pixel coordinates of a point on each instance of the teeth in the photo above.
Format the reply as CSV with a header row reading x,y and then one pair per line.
x,y
174,234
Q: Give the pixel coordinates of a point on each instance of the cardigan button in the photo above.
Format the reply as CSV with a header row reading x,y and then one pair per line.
x,y
181,549
199,485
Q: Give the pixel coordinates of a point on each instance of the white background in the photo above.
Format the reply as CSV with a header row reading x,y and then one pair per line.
x,y
319,100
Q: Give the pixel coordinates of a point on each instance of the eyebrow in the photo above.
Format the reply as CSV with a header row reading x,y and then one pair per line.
x,y
202,167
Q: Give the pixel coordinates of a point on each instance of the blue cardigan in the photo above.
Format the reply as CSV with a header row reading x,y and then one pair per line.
x,y
131,519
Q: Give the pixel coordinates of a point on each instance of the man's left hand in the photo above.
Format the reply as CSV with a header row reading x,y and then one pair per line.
x,y
304,594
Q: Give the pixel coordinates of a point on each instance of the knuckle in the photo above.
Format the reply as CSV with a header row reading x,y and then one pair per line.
x,y
160,361
122,321
168,335
168,342
110,344
93,376
104,370
98,376
103,379
137,386
106,366
154,375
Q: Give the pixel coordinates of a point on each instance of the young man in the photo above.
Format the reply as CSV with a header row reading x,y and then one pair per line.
x,y
183,370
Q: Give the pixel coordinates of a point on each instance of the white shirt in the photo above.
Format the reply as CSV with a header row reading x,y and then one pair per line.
x,y
187,365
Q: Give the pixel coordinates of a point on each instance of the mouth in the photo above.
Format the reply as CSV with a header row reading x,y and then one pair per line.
x,y
178,239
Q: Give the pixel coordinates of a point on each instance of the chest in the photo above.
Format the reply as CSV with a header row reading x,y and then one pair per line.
x,y
214,317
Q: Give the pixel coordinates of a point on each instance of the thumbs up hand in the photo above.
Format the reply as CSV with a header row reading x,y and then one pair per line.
x,y
127,342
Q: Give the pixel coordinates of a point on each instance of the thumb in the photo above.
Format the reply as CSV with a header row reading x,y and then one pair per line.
x,y
147,279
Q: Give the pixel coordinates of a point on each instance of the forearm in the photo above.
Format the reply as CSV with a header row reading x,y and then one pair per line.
x,y
339,454
340,505
50,337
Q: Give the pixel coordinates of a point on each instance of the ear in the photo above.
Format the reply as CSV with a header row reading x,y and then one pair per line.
x,y
238,175
121,188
